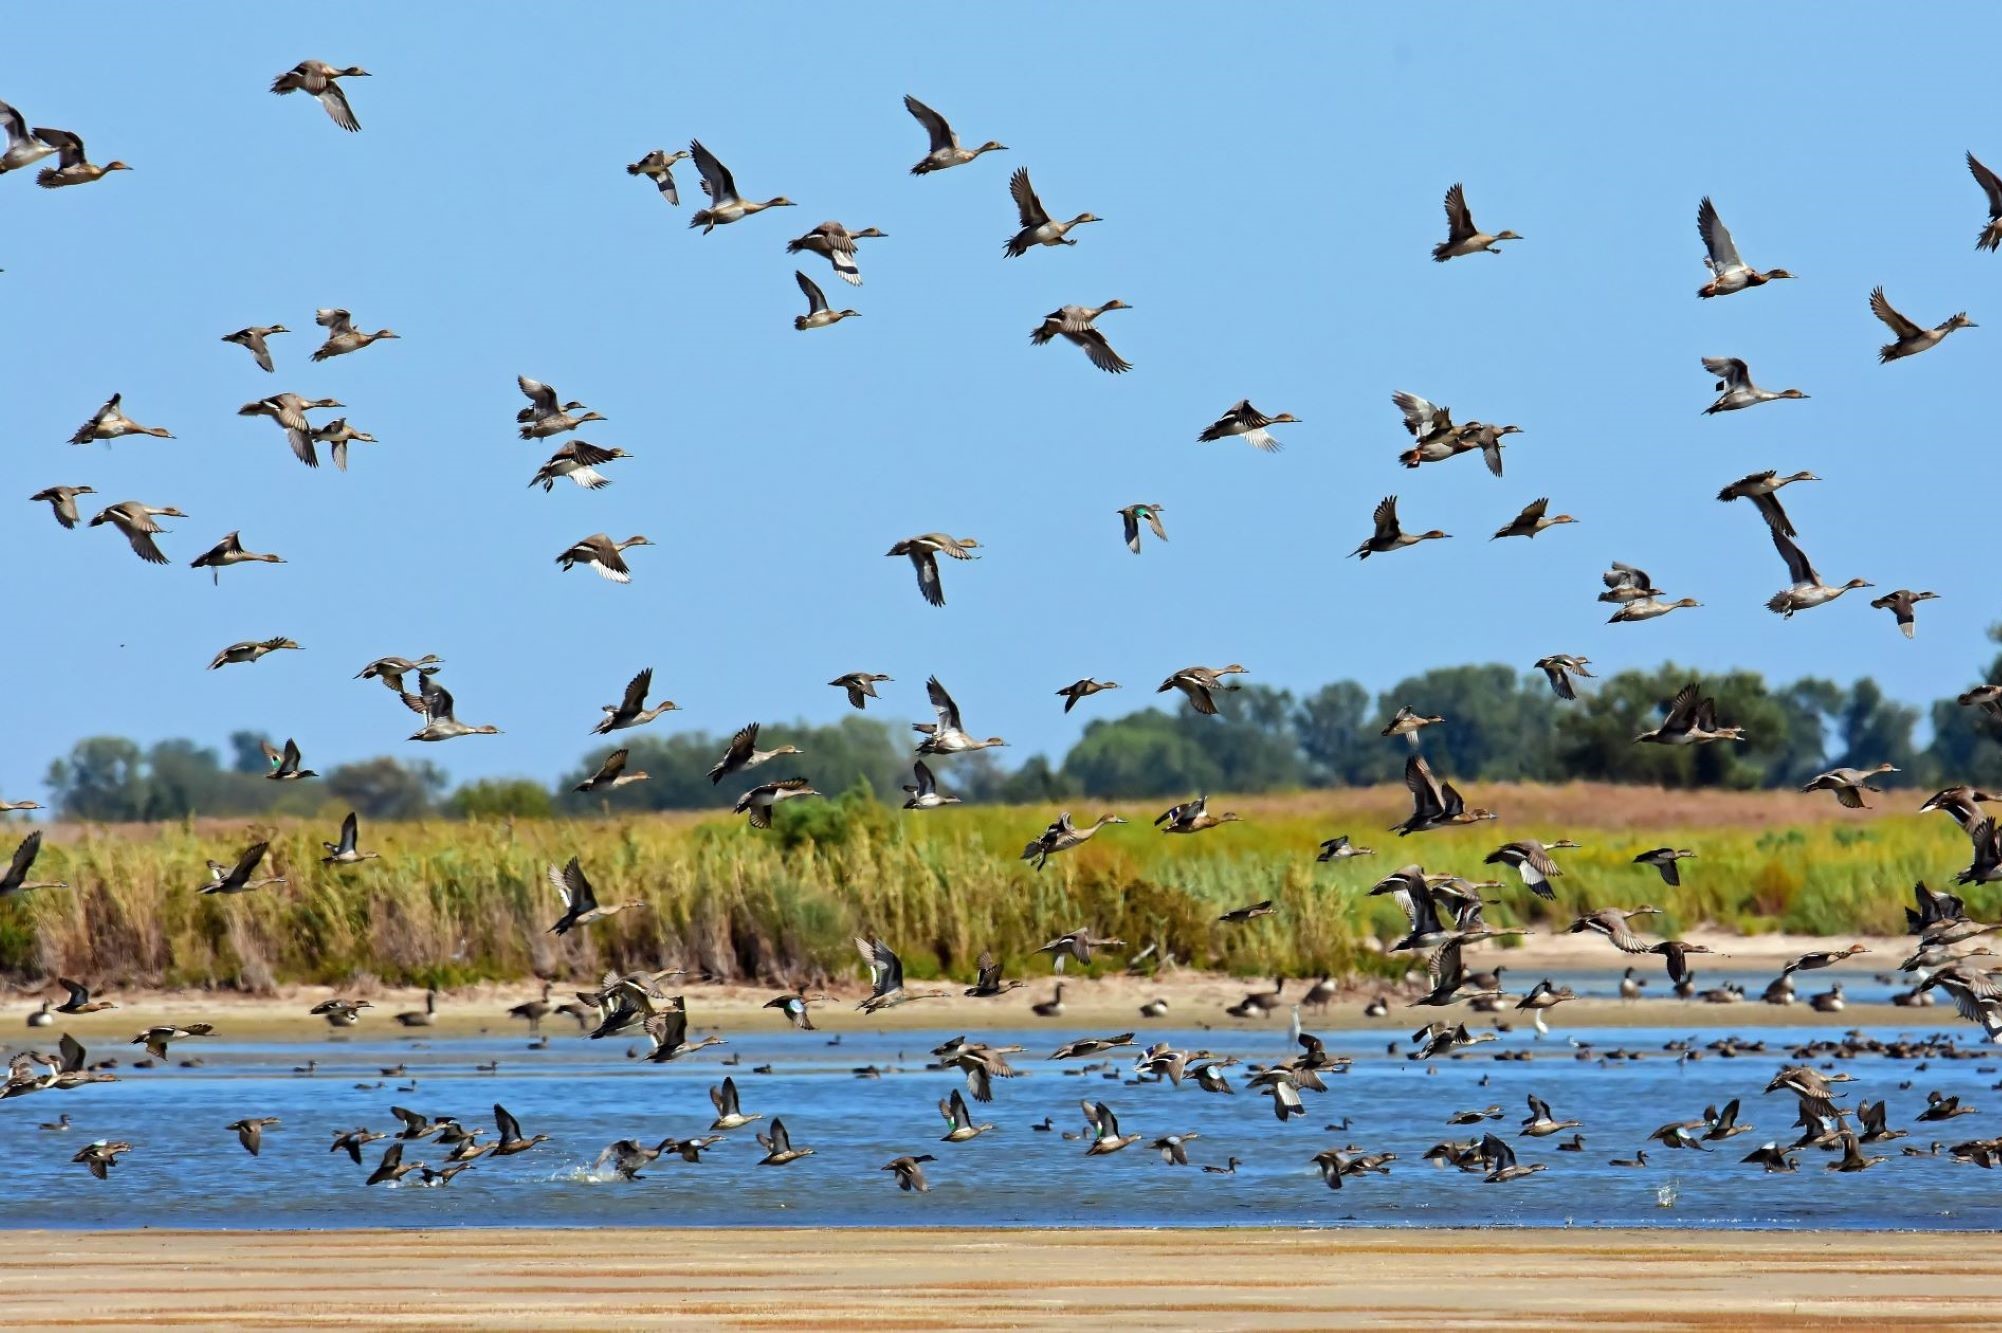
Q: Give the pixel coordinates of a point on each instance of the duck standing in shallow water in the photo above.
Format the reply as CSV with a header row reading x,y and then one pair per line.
x,y
1911,339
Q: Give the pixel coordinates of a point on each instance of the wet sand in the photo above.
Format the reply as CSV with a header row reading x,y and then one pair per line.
x,y
923,1279
1110,1003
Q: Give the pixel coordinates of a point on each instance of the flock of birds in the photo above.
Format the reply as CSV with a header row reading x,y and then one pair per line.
x,y
638,1002
1444,912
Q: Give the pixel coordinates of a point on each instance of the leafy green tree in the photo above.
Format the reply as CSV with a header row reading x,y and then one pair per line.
x,y
385,788
246,749
1331,726
677,765
1877,730
1142,754
1595,739
1967,742
103,778
1498,724
501,798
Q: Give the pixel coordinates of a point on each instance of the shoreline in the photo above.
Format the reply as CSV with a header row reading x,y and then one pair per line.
x,y
1111,1001
924,1278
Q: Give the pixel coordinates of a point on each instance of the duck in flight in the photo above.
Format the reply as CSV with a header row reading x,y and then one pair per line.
x,y
1038,228
319,79
725,204
945,151
1074,324
1910,339
1462,236
1728,272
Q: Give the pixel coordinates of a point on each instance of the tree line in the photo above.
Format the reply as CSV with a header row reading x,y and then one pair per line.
x,y
1502,726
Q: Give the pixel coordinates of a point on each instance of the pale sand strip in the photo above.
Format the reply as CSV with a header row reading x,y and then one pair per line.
x,y
917,1279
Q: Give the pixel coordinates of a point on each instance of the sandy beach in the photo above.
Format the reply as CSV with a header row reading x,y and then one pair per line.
x,y
923,1279
1111,1002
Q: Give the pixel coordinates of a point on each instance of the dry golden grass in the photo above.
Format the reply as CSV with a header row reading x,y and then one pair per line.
x,y
452,903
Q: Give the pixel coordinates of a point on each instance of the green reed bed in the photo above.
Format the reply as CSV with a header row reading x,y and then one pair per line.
x,y
456,902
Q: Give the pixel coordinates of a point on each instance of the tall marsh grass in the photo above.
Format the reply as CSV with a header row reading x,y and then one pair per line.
x,y
451,903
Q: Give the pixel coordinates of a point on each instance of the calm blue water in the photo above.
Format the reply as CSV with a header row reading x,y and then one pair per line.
x,y
188,1171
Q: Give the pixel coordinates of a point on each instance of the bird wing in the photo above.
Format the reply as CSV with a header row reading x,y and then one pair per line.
x,y
1419,414
1459,219
541,396
336,102
942,704
1896,322
334,320
1776,518
1716,238
1385,518
740,749
64,142
1100,352
1798,569
581,897
1424,787
1989,182
1132,521
246,864
926,785
1026,204
816,300
24,857
935,124
1682,709
637,690
509,1127
717,182
1732,370
926,565
350,832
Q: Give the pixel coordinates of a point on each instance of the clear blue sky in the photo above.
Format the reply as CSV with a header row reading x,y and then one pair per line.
x,y
1270,180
